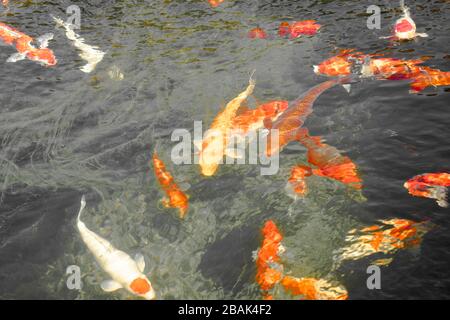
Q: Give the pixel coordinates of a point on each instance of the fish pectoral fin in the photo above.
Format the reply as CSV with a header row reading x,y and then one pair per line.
x,y
423,35
347,87
16,57
140,261
110,285
43,40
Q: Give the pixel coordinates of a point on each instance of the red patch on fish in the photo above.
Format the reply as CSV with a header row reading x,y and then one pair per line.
x,y
140,286
403,26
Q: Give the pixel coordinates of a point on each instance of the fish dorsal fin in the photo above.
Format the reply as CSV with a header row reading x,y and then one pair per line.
x,y
140,261
110,285
43,40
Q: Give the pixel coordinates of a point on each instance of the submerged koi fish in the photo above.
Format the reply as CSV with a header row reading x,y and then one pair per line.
x,y
405,27
295,116
5,3
175,197
299,28
213,146
387,238
329,162
215,3
269,271
257,33
429,77
25,48
252,120
314,289
430,185
124,271
91,54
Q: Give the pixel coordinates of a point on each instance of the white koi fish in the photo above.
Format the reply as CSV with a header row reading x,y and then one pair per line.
x,y
125,272
92,54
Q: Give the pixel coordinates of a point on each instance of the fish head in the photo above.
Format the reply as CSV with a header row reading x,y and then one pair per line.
x,y
335,66
274,109
405,29
142,287
44,56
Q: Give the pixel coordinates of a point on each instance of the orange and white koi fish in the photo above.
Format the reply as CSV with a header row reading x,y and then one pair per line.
x,y
215,3
257,33
296,185
25,48
295,116
430,185
269,271
299,28
5,3
313,289
176,198
387,238
214,144
252,120
405,27
91,54
125,272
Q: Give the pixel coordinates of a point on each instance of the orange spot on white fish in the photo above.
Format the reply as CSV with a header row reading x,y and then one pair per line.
x,y
140,286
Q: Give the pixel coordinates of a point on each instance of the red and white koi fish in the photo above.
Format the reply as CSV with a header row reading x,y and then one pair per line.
x,y
214,144
295,116
298,28
257,33
313,289
25,48
430,185
329,162
429,77
125,272
387,238
405,27
91,54
176,198
215,3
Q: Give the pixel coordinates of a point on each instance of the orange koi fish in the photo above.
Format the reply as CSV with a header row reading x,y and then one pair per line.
x,y
215,3
299,28
257,33
295,116
213,146
430,185
329,162
339,65
429,77
313,289
388,238
25,48
405,27
252,120
268,267
175,197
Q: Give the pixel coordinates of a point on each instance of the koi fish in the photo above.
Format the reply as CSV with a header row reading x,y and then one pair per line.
x,y
213,146
405,27
298,28
349,62
5,3
430,185
313,289
252,120
429,77
91,54
124,271
25,48
175,197
215,3
388,238
268,267
257,33
295,116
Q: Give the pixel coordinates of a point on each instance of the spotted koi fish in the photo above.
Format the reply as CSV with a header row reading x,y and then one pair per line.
x,y
430,185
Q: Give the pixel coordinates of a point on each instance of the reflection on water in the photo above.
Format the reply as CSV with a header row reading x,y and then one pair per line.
x,y
64,133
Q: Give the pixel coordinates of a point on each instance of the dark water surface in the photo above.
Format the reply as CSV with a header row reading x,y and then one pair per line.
x,y
64,133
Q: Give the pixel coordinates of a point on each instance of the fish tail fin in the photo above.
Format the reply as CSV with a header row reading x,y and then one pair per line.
x,y
82,206
440,193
